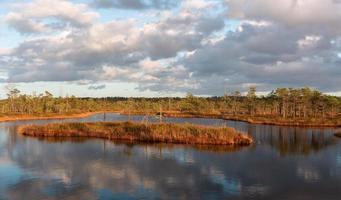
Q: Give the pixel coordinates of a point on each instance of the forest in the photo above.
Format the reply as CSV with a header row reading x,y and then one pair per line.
x,y
282,103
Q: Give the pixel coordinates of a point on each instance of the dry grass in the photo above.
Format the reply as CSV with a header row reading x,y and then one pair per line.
x,y
129,131
269,120
264,119
22,117
279,121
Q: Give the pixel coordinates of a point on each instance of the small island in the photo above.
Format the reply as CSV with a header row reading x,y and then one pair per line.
x,y
142,132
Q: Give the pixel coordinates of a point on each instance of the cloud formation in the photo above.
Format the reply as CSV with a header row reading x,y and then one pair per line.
x,y
113,50
291,13
97,87
202,46
43,16
135,4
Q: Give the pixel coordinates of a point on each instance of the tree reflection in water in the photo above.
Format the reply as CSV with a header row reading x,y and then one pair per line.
x,y
293,140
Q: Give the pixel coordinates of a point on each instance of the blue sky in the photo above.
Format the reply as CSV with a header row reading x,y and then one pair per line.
x,y
168,48
8,38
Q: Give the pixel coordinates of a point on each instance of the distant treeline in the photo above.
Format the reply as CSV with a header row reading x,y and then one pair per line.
x,y
283,102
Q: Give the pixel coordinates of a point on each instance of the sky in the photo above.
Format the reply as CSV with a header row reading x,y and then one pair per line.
x,y
168,47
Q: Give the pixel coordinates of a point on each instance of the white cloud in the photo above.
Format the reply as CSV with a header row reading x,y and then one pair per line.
x,y
135,4
5,51
190,48
36,16
292,13
308,41
198,4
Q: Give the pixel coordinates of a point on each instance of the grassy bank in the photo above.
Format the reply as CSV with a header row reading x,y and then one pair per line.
x,y
129,131
272,120
266,120
22,117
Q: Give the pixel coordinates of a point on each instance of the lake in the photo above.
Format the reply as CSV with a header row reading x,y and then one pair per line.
x,y
283,163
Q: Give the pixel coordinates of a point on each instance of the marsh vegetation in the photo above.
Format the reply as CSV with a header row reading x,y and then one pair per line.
x,y
283,106
141,132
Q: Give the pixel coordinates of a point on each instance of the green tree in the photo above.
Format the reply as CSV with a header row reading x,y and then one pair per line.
x,y
251,97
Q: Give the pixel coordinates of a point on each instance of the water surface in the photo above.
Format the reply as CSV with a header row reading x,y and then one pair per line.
x,y
284,163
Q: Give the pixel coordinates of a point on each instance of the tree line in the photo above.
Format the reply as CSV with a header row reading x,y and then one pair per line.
x,y
290,103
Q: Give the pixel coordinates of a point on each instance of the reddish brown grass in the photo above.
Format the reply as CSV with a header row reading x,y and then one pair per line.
x,y
158,132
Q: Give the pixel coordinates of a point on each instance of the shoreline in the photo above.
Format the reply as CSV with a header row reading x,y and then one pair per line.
x,y
297,123
260,120
254,120
57,116
247,119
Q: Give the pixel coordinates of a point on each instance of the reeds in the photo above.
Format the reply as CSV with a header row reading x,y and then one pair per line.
x,y
134,131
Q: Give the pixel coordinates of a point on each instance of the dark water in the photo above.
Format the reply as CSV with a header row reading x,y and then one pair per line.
x,y
284,163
